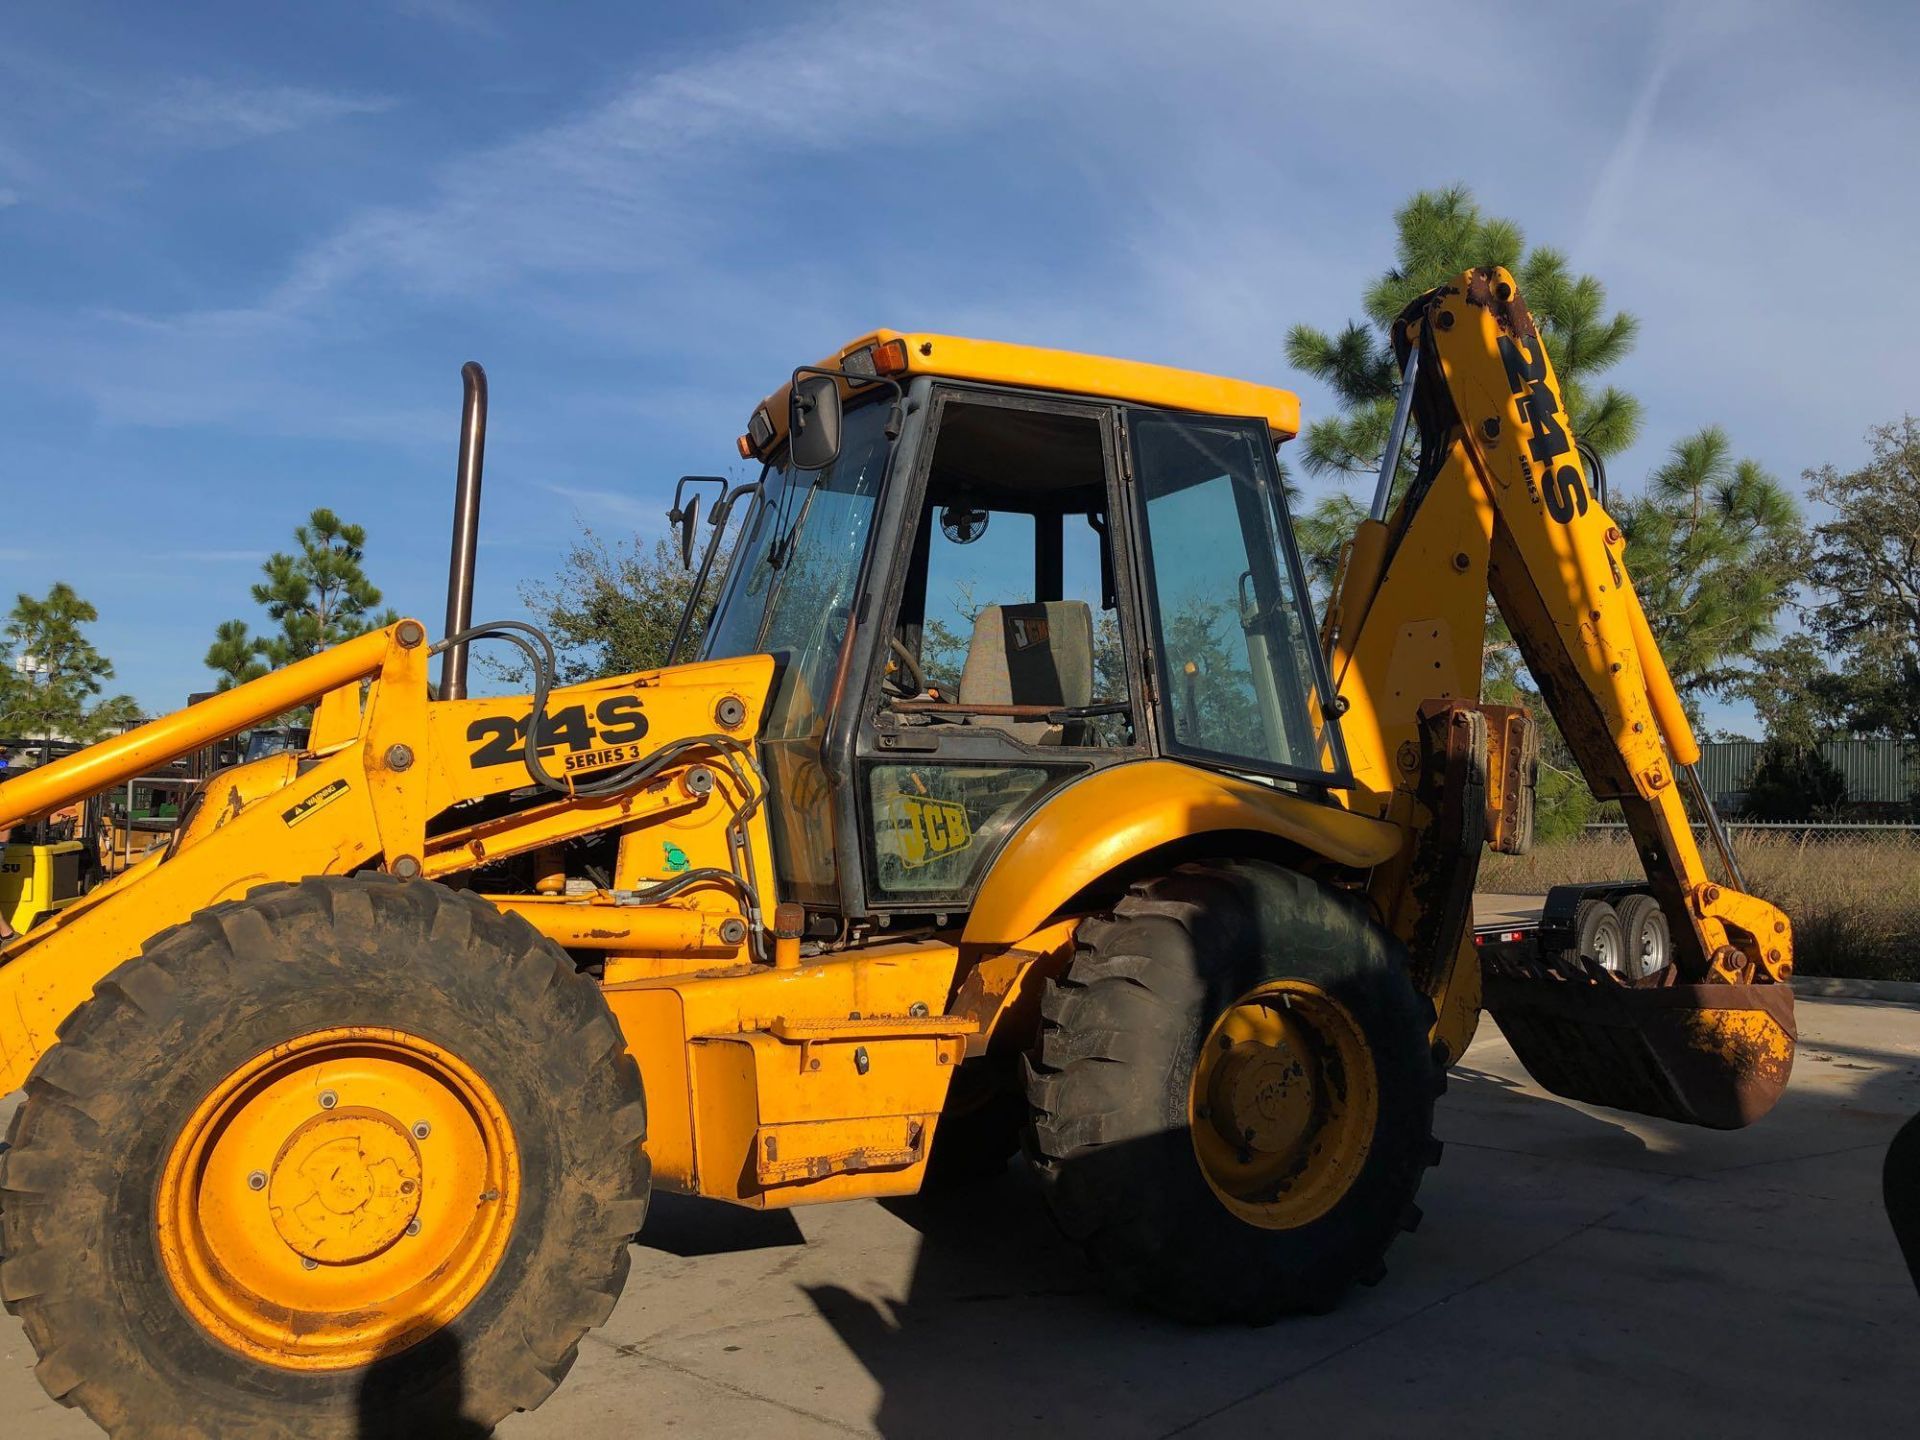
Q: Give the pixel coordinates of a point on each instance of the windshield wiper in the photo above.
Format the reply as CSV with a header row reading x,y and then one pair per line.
x,y
781,550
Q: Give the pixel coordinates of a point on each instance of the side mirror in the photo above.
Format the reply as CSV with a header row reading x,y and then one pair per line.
x,y
813,421
687,518
684,512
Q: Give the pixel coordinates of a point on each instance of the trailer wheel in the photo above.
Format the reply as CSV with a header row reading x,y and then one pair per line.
x,y
1234,1094
348,1157
1643,929
1599,936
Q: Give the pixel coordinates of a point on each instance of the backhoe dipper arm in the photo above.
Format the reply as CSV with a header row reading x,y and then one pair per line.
x,y
1501,484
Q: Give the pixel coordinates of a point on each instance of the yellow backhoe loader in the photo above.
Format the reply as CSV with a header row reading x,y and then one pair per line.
x,y
1013,795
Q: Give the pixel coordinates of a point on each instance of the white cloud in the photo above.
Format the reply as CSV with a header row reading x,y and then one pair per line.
x,y
454,14
627,507
201,114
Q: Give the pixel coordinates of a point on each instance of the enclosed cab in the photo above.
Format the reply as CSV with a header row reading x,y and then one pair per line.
x,y
1019,567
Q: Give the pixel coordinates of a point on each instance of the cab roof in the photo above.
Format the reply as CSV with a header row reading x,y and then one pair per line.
x,y
1031,367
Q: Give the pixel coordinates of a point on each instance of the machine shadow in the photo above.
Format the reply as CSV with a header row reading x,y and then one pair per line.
x,y
1004,1330
418,1391
687,1226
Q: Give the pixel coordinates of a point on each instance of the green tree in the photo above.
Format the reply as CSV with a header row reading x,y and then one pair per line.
x,y
52,672
1714,545
1800,700
237,655
1713,541
613,607
1865,575
318,595
1793,783
1439,234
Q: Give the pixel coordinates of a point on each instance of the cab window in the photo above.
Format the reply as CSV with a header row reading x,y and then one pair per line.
x,y
1239,671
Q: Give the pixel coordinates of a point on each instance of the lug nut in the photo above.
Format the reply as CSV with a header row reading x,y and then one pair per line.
x,y
413,1227
307,1262
257,1180
421,1130
328,1099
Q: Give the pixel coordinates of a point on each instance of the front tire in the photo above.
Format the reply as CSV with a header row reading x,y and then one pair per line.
x,y
1233,1099
347,1157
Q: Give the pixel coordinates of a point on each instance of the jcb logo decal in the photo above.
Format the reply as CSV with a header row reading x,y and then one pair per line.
x,y
921,830
1561,489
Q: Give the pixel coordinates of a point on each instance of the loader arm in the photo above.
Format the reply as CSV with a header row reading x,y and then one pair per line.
x,y
418,787
1502,504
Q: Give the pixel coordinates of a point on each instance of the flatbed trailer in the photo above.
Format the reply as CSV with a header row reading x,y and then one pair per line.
x,y
1614,930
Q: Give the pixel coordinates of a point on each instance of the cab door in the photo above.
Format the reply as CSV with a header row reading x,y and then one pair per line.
x,y
1010,642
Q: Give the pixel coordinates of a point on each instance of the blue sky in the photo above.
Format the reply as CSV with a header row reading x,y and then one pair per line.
x,y
245,248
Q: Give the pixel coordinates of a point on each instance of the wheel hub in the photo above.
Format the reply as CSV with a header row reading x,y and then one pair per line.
x,y
345,1186
341,1195
1282,1104
1263,1097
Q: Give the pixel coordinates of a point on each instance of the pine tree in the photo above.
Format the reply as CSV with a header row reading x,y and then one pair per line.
x,y
1711,541
237,655
318,596
321,595
53,671
1439,234
1713,547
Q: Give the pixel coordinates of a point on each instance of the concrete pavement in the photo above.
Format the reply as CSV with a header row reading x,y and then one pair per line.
x,y
1578,1273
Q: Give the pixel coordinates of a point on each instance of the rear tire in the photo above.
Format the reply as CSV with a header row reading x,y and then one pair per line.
x,y
85,1188
1115,1139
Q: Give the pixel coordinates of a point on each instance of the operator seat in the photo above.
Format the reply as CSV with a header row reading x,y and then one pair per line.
x,y
1039,653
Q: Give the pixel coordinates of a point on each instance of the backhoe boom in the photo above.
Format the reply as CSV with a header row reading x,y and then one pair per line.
x,y
1502,504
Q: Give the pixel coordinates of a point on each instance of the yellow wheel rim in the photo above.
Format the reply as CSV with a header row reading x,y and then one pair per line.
x,y
338,1198
1283,1104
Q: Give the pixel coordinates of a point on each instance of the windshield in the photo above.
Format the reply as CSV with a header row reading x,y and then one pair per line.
x,y
791,582
789,593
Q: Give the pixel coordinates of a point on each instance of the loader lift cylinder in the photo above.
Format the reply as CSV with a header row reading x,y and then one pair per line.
x,y
466,528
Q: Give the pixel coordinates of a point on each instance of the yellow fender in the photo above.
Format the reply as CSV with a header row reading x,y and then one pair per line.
x,y
1098,824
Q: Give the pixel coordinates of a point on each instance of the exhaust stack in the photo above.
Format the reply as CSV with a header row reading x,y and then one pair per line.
x,y
466,528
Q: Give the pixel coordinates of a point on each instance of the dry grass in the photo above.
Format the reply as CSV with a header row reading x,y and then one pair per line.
x,y
1854,900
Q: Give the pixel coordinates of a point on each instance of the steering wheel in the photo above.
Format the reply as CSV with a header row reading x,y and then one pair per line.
x,y
911,665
